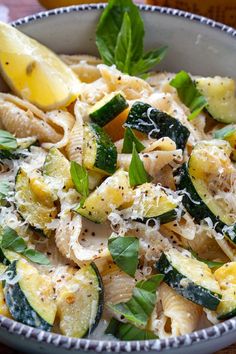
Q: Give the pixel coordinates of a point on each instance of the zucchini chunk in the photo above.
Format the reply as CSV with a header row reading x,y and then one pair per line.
x,y
35,201
112,193
80,302
108,108
228,133
157,124
56,165
226,277
198,199
3,307
30,298
220,95
151,202
99,152
26,143
190,278
7,256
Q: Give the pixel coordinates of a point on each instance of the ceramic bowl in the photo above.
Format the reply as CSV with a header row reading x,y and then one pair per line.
x,y
196,44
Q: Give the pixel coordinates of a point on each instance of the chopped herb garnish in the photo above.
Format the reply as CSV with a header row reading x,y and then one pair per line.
x,y
137,173
7,141
119,38
188,93
126,331
11,241
139,308
129,139
80,179
124,251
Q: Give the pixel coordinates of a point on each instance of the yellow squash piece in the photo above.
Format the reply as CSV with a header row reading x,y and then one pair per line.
x,y
3,307
34,72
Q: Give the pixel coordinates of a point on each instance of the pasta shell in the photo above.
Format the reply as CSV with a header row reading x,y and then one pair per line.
x,y
74,148
84,66
132,87
153,161
65,121
180,316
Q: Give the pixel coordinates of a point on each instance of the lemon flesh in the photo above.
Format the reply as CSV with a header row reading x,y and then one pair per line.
x,y
34,72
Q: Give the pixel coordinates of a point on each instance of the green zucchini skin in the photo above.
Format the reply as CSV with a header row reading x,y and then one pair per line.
x,y
100,300
19,306
190,291
157,124
227,316
106,157
197,208
109,110
163,218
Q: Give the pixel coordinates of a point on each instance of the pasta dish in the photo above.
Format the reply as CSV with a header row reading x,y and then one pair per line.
x,y
117,188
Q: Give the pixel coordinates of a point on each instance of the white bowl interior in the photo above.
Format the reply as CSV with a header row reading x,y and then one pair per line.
x,y
194,47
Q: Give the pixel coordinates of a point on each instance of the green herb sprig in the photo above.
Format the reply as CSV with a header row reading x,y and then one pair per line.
x,y
119,39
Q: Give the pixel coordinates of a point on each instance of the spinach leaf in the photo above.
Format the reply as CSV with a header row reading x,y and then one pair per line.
x,y
139,308
188,93
80,179
126,331
124,252
137,173
129,139
7,141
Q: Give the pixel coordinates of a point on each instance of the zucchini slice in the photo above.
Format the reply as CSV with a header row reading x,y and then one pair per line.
x,y
3,307
226,277
22,144
190,278
197,197
35,201
26,143
157,124
80,302
108,108
29,297
99,152
56,165
112,193
220,95
228,133
151,202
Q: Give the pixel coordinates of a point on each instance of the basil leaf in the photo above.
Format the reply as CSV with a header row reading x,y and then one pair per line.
x,y
137,173
123,46
129,139
124,252
188,93
225,132
110,24
36,257
139,308
11,241
7,141
148,60
4,189
210,264
80,179
126,331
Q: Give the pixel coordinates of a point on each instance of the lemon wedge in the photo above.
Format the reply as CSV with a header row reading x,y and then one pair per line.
x,y
34,72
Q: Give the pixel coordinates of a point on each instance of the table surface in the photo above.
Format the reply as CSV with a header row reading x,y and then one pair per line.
x,y
19,9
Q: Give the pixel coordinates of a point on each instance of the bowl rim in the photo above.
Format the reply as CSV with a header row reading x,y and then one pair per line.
x,y
158,345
